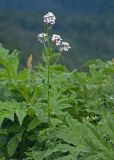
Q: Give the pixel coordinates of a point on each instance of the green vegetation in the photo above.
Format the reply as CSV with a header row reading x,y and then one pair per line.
x,y
50,113
80,114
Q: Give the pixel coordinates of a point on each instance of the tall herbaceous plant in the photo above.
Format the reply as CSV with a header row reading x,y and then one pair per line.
x,y
50,55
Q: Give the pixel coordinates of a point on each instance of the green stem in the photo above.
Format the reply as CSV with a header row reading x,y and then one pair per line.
x,y
45,48
48,70
49,108
58,58
48,49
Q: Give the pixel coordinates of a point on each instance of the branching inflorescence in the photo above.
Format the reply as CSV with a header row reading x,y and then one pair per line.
x,y
49,21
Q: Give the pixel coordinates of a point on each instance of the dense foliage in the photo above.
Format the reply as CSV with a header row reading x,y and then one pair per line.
x,y
67,118
50,113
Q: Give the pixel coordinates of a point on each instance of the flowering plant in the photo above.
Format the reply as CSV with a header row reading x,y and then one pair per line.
x,y
50,113
49,55
48,40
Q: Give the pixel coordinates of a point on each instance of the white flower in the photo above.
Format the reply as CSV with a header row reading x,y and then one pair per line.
x,y
64,46
95,118
49,18
57,39
42,37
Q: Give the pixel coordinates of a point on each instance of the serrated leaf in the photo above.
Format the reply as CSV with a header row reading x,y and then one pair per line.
x,y
12,146
21,113
19,136
33,124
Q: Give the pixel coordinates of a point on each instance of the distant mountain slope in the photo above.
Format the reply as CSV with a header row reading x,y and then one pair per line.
x,y
94,6
29,4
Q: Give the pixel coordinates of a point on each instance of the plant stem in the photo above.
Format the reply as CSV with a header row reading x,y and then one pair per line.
x,y
49,108
58,58
48,78
48,50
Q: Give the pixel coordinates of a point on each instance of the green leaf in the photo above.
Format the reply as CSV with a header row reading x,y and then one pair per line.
x,y
12,146
2,158
21,113
3,132
33,124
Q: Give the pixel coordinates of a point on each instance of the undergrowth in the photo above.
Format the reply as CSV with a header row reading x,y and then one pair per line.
x,y
50,113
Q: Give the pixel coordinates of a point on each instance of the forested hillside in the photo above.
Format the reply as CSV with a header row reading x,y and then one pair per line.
x,y
80,6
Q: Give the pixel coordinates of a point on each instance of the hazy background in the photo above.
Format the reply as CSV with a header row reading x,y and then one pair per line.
x,y
88,25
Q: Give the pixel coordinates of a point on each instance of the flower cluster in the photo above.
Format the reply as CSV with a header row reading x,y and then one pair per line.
x,y
64,46
49,18
57,39
94,118
42,37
